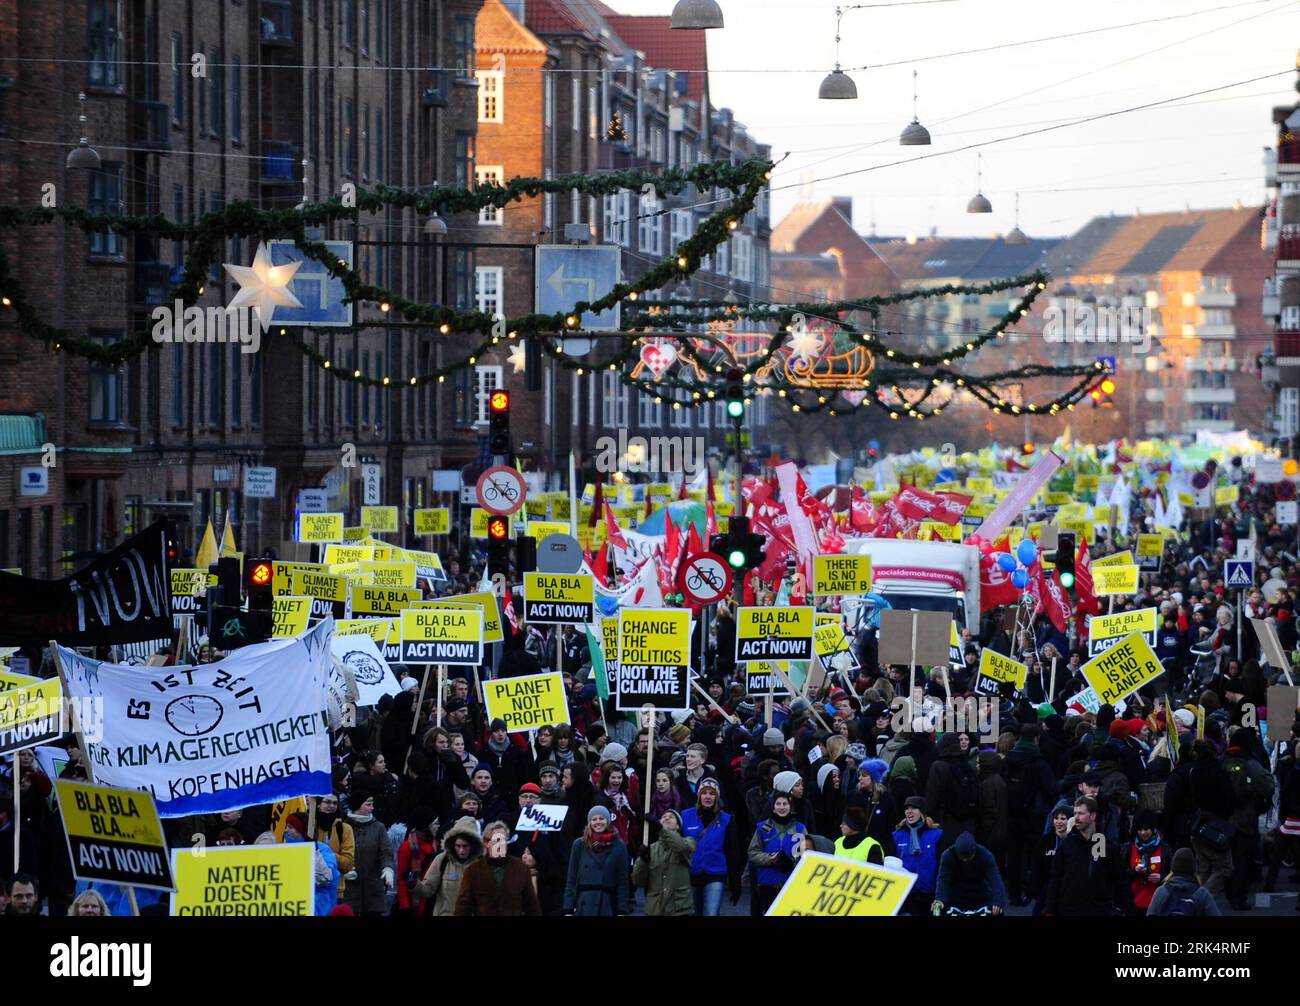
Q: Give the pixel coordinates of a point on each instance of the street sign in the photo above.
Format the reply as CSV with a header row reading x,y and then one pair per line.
x,y
501,490
1246,549
1238,573
569,274
705,578
1268,470
322,296
259,483
35,481
559,553
371,479
1286,512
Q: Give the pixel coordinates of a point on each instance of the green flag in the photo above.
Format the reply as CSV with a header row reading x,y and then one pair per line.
x,y
597,664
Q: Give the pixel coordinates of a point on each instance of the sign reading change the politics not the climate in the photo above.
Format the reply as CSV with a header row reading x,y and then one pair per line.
x,y
245,730
442,636
528,702
654,657
774,634
114,835
559,598
1123,669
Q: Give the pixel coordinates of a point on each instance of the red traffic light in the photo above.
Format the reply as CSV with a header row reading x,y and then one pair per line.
x,y
498,528
1026,448
259,574
499,401
1096,395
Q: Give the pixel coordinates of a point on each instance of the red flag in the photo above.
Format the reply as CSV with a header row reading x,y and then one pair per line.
x,y
681,493
710,518
861,512
672,552
712,493
599,566
693,544
509,608
1088,603
597,500
995,585
1056,600
1016,466
951,507
917,504
613,533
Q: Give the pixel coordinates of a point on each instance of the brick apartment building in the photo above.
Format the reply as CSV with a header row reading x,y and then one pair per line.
x,y
293,99
1280,237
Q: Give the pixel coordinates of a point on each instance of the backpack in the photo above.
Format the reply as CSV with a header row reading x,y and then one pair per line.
x,y
1182,904
1020,800
961,798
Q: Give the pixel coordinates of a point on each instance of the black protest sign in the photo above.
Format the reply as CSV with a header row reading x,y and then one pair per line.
x,y
114,835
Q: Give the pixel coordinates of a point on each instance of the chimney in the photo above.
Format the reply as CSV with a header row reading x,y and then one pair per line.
x,y
845,206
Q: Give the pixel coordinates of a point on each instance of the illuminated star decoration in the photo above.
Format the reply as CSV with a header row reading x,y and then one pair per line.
x,y
517,358
803,343
263,286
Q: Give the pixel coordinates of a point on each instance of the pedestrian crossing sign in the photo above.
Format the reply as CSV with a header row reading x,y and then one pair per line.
x,y
1238,573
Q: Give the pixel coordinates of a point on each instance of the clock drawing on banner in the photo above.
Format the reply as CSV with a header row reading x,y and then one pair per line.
x,y
365,668
193,715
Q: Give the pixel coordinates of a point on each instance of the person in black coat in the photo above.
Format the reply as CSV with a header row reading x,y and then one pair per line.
x,y
511,765
395,733
546,852
1088,873
516,662
1212,793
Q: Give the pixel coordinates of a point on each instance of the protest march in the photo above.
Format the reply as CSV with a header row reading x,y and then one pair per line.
x,y
1075,704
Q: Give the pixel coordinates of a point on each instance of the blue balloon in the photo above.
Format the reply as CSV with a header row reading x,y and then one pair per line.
x,y
1007,562
1027,552
1020,579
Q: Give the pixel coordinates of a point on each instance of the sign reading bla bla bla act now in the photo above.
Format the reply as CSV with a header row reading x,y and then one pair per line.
x,y
784,633
558,598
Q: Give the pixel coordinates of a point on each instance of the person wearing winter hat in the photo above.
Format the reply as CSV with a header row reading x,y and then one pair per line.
x,y
916,843
715,861
969,879
771,745
854,842
597,879
618,754
548,778
1041,868
511,762
663,868
1148,862
492,806
498,884
545,853
326,873
778,842
439,888
413,858
828,802
1180,894
372,875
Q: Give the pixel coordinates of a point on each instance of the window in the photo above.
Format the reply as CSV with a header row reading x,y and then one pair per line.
x,y
329,119
365,389
491,96
613,400
365,141
488,288
381,167
463,43
744,259
255,389
658,144
648,411
650,232
178,216
201,102
548,206
548,100
105,383
681,224
486,380
592,125
462,278
349,23
464,159
236,101
618,211
178,384
680,418
179,69
723,265
348,137
218,90
365,27
1288,412
313,113
577,104
216,382
490,175
106,196
104,43
237,388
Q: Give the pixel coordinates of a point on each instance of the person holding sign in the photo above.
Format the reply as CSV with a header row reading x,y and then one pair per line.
x,y
777,843
663,868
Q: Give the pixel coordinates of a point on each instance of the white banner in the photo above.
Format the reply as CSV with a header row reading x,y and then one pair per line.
x,y
246,730
373,676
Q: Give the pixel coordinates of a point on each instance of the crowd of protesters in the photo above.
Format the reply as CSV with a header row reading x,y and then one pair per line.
x,y
1160,808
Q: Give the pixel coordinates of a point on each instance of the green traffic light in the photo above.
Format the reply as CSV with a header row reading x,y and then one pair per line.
x,y
736,409
736,558
1067,580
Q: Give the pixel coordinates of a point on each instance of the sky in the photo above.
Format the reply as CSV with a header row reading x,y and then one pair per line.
x,y
1203,151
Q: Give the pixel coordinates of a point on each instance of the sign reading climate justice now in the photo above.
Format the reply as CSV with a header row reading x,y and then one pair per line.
x,y
247,880
1105,629
774,634
654,657
559,598
827,886
527,702
1123,669
114,835
841,574
442,636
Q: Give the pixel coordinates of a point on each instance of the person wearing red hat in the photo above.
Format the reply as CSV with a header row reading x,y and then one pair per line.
x,y
544,853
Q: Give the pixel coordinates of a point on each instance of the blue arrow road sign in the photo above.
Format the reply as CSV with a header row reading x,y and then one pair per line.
x,y
1238,573
320,293
570,274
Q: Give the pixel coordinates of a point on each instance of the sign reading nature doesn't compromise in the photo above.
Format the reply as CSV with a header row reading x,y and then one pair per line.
x,y
123,597
246,730
249,880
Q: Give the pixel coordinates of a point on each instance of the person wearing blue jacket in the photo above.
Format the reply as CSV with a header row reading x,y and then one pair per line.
x,y
777,843
326,866
715,862
969,879
916,843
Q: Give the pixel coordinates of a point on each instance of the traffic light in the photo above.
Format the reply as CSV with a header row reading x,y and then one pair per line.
x,y
734,396
226,570
739,547
525,554
498,550
499,422
1064,559
1027,448
257,584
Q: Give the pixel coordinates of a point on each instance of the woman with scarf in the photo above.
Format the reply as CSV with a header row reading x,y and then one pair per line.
x,y
665,796
565,749
876,801
623,817
716,861
468,761
544,745
1148,860
413,858
440,886
597,882
337,834
828,802
371,876
773,851
548,779
916,842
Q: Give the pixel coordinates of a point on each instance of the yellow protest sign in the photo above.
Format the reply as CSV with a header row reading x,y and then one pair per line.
x,y
979,486
543,529
1150,550
379,518
189,582
337,555
1058,499
1102,628
1225,496
442,636
244,880
559,598
10,681
355,535
1124,558
382,600
436,520
485,601
1086,483
31,715
609,641
828,636
320,527
427,564
654,658
282,574
774,633
389,574
841,888
1002,669
1186,499
528,702
536,508
289,616
931,529
1108,580
841,574
560,507
114,835
761,677
658,489
1120,671
377,629
313,583
589,537
1083,530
